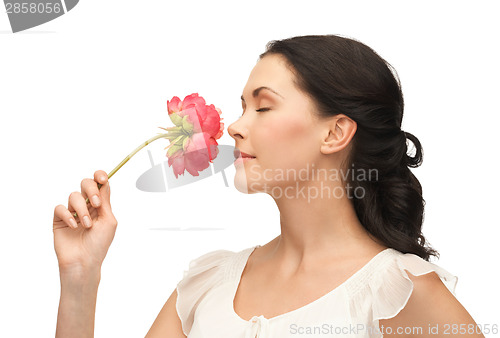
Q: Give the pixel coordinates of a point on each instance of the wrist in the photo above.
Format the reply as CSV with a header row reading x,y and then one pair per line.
x,y
80,275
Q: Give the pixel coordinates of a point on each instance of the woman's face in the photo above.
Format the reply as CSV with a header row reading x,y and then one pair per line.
x,y
278,128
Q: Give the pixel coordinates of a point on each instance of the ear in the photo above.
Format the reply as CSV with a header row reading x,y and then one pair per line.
x,y
338,133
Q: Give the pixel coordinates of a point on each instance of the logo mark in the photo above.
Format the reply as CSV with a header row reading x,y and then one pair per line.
x,y
26,14
152,179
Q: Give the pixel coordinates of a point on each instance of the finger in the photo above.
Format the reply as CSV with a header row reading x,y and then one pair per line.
x,y
64,215
91,191
100,176
77,203
73,211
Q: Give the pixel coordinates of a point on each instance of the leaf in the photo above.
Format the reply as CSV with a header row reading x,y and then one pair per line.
x,y
187,125
185,143
173,149
176,119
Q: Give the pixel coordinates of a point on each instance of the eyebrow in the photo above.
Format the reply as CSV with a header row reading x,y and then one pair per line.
x,y
257,91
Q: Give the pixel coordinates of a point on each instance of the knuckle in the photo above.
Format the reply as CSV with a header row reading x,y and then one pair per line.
x,y
73,195
102,172
112,220
86,182
59,209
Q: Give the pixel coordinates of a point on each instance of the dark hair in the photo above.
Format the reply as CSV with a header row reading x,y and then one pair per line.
x,y
344,76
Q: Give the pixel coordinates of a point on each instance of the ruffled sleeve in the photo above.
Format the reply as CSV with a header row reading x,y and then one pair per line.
x,y
389,288
203,274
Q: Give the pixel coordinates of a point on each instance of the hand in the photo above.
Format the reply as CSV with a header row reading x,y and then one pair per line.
x,y
77,244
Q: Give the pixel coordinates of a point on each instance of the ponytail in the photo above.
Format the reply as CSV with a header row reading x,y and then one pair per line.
x,y
392,207
416,160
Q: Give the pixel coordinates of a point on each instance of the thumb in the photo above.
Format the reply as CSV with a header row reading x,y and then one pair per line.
x,y
105,195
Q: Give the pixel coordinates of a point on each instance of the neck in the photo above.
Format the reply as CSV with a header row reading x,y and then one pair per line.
x,y
316,228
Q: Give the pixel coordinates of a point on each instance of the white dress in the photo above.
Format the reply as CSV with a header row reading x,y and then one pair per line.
x,y
379,290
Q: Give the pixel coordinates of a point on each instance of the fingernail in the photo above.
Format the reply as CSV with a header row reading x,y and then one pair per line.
x,y
72,222
96,200
86,221
103,178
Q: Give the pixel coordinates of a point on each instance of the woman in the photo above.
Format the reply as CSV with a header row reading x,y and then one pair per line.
x,y
321,133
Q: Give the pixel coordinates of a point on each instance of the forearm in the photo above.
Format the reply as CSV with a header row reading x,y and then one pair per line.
x,y
76,315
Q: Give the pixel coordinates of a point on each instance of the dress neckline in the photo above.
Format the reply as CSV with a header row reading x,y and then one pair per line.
x,y
242,263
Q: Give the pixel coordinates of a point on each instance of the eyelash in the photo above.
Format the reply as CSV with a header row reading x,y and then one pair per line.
x,y
261,110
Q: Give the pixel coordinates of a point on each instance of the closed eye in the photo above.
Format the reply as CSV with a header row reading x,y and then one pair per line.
x,y
261,110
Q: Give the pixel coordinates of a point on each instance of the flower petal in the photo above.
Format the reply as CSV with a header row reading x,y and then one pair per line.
x,y
193,100
197,153
211,125
221,131
193,118
198,141
177,163
194,168
196,161
213,148
198,103
173,106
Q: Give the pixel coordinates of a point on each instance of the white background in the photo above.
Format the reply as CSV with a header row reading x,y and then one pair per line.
x,y
79,93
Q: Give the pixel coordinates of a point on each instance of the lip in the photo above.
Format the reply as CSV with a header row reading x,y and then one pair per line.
x,y
241,160
241,157
238,153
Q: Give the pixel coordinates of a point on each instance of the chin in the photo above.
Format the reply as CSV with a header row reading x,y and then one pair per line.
x,y
244,184
240,181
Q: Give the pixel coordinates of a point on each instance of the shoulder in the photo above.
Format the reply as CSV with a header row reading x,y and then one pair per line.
x,y
205,273
431,302
431,306
207,261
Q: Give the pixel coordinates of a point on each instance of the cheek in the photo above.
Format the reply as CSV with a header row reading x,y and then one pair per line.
x,y
287,142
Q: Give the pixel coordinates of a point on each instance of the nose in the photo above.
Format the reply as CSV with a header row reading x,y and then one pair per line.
x,y
235,130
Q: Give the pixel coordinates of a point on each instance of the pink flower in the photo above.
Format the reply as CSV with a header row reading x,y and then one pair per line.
x,y
193,142
203,117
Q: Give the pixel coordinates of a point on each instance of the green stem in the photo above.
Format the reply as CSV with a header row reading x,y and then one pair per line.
x,y
129,156
176,140
125,160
